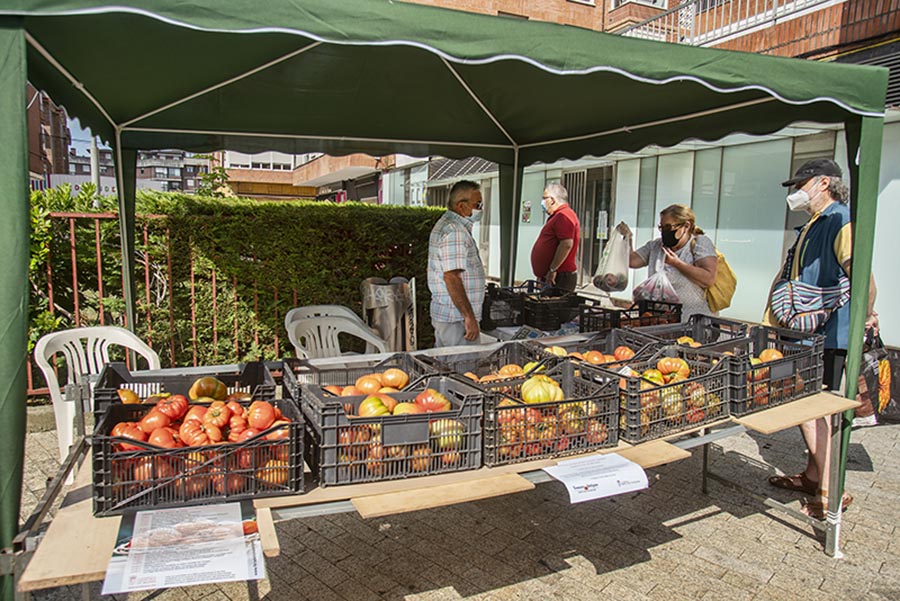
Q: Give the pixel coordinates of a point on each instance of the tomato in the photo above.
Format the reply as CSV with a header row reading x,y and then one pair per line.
x,y
695,415
236,425
174,406
150,469
431,400
196,412
166,437
230,484
249,527
236,408
261,415
130,430
217,414
153,420
283,431
274,473
197,434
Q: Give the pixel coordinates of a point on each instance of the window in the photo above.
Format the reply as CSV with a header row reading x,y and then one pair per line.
x,y
708,4
159,172
587,2
656,3
260,166
189,168
174,171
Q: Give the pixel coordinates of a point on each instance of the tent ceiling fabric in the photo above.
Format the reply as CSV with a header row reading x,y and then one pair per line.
x,y
379,77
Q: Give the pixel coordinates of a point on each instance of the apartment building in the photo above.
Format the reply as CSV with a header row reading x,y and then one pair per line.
x,y
170,170
48,138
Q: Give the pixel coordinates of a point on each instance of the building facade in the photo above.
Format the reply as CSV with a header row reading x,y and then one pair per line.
x,y
48,138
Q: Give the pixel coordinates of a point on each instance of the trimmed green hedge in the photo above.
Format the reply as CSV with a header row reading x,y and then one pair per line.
x,y
318,251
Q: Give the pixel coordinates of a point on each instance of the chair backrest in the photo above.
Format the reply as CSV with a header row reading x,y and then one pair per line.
x,y
86,350
317,337
309,311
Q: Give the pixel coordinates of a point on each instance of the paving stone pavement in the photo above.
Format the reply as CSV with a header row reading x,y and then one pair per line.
x,y
670,542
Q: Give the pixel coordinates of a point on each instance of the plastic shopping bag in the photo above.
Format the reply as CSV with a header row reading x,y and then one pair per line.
x,y
657,287
612,274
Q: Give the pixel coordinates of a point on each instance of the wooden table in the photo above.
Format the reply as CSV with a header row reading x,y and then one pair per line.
x,y
77,546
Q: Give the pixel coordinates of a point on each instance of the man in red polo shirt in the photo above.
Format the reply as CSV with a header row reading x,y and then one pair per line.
x,y
553,254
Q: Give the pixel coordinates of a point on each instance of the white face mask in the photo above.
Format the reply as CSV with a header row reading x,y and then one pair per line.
x,y
544,205
475,217
798,201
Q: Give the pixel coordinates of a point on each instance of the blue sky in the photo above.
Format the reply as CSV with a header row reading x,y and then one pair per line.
x,y
81,138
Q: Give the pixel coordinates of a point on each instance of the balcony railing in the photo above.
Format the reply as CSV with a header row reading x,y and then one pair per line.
x,y
709,22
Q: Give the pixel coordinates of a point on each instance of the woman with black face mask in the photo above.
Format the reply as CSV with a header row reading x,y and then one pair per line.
x,y
690,257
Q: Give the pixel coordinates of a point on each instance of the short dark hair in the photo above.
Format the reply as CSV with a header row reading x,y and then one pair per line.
x,y
461,190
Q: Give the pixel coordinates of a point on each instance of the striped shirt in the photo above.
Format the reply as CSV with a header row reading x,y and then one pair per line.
x,y
451,247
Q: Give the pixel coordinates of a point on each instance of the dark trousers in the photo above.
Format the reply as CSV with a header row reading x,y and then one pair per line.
x,y
567,281
834,368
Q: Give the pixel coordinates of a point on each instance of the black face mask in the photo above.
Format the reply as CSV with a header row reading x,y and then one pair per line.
x,y
669,239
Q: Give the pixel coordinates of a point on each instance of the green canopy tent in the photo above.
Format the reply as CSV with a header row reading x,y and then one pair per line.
x,y
380,77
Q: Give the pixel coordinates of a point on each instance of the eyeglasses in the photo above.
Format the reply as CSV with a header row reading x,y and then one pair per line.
x,y
668,227
479,205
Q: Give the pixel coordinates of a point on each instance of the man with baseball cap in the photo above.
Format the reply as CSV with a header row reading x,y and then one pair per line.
x,y
820,257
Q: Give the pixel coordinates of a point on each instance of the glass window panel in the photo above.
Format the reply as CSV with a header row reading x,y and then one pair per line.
x,y
707,167
673,181
751,221
531,220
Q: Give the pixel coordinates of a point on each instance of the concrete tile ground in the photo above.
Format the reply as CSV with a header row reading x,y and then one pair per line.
x,y
671,542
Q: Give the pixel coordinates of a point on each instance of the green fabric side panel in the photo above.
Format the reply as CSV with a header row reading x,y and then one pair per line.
x,y
865,135
125,180
510,191
15,249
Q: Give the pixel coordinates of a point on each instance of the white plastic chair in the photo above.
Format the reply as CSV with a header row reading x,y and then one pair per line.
x,y
317,337
310,311
86,351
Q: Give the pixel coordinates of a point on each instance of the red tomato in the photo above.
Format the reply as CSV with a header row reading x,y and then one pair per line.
x,y
236,425
283,431
148,469
431,400
217,414
197,434
236,408
166,438
153,420
129,430
196,412
260,415
174,406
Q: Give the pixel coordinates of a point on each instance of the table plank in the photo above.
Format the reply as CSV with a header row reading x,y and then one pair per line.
x,y
654,453
438,496
267,535
796,412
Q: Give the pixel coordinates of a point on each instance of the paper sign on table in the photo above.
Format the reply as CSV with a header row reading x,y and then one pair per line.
x,y
598,476
189,545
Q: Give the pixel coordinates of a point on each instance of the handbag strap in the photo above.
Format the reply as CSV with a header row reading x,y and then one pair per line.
x,y
789,259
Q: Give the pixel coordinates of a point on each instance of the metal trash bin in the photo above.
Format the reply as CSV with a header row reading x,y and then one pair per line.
x,y
390,308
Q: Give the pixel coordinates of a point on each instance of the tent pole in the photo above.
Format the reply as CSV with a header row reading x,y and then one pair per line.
x,y
126,163
510,181
15,228
864,139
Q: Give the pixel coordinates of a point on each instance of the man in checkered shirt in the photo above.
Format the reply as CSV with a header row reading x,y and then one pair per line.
x,y
455,270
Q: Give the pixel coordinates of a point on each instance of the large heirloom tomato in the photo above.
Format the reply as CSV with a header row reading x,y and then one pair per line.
x,y
218,414
174,406
197,434
260,415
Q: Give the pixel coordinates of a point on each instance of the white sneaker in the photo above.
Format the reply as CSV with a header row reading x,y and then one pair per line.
x,y
862,422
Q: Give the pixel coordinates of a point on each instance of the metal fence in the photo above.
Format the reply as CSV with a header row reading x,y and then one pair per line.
x,y
710,22
81,284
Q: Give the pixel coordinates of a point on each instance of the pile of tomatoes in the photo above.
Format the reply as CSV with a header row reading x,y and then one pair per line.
x,y
174,423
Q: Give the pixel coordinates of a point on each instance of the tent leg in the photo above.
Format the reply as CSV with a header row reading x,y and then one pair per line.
x,y
126,163
15,228
510,187
835,490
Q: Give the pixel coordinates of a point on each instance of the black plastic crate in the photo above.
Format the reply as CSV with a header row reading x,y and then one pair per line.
x,y
585,420
253,378
153,477
797,374
349,450
482,362
505,305
649,410
704,330
551,308
606,343
297,372
595,318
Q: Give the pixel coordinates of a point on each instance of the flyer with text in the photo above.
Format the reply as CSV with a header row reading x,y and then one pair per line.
x,y
164,548
598,476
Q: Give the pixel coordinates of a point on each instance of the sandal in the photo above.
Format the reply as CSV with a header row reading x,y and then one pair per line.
x,y
797,483
816,509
